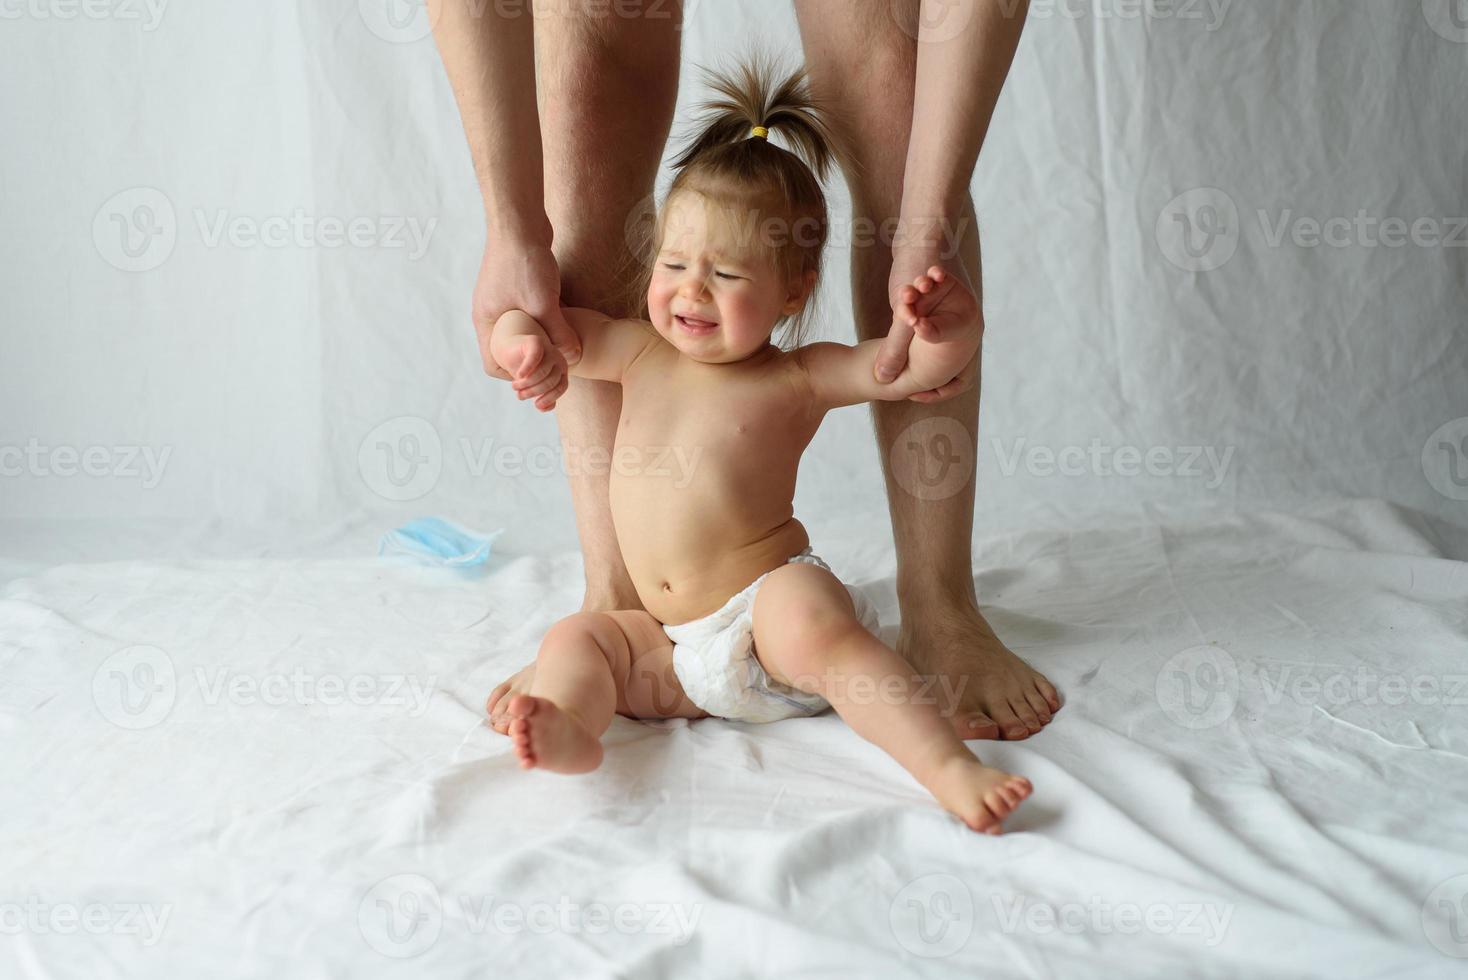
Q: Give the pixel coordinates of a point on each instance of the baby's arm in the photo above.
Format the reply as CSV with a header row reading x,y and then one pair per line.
x,y
608,348
844,375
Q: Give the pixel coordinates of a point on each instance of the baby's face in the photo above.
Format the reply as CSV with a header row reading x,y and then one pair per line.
x,y
712,295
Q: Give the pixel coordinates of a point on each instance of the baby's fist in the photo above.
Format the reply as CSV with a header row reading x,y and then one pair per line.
x,y
537,369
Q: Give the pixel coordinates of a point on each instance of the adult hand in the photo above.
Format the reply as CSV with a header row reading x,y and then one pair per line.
x,y
515,276
940,311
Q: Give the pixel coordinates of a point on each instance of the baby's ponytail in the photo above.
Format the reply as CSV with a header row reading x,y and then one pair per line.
x,y
754,101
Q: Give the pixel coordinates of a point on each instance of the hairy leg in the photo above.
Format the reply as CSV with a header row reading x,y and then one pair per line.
x,y
591,665
607,88
807,635
863,63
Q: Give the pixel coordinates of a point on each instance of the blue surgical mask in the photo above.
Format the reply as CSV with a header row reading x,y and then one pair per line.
x,y
434,541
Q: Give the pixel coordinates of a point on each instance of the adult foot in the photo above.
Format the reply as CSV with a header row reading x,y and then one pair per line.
x,y
979,796
499,698
982,687
547,737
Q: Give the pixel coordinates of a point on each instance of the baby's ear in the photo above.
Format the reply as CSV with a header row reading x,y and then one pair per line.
x,y
800,290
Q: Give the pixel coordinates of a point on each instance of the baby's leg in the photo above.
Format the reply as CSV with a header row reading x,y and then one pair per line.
x,y
806,634
591,666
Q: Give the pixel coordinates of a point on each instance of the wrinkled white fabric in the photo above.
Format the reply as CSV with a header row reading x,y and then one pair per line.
x,y
714,658
1261,769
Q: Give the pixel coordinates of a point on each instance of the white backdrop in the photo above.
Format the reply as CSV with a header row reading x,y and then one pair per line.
x,y
302,233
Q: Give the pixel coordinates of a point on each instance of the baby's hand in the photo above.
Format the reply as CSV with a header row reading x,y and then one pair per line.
x,y
941,311
537,369
923,298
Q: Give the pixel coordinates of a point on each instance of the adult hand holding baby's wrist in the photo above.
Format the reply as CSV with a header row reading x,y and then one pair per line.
x,y
520,274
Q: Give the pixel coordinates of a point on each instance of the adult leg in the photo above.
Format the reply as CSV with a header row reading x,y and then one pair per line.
x,y
864,64
593,665
607,88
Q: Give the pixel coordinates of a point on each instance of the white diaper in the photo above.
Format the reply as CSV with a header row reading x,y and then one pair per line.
x,y
715,662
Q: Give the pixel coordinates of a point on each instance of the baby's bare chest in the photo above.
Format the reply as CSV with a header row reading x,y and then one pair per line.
x,y
730,427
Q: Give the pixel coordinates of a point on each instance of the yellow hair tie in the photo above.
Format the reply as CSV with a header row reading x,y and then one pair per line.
x,y
759,131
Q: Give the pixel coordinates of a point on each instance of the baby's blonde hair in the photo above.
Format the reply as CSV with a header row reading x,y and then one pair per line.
x,y
748,173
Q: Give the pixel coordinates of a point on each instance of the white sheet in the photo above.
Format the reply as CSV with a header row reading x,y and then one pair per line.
x,y
1276,830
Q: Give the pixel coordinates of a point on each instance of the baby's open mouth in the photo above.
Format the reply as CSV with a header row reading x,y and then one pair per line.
x,y
695,324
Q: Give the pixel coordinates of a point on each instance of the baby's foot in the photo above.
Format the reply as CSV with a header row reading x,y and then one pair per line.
x,y
979,796
504,692
546,737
